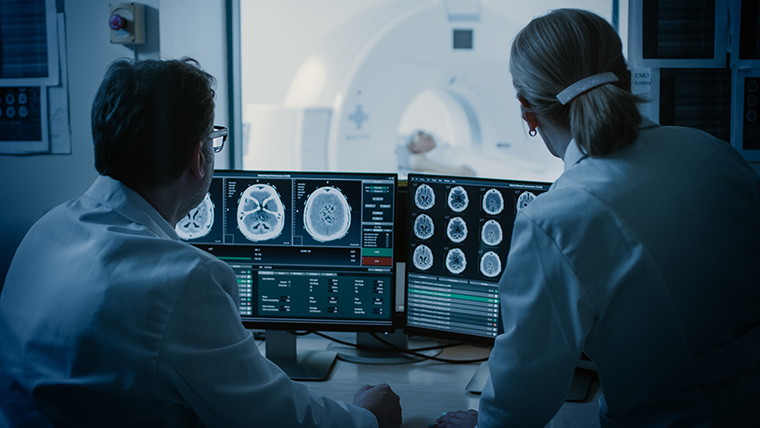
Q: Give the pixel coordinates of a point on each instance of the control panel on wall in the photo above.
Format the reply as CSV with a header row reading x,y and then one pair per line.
x,y
746,105
751,131
127,23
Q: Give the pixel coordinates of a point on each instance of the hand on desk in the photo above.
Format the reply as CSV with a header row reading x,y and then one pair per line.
x,y
458,419
382,402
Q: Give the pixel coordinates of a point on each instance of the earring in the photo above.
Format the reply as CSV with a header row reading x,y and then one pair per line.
x,y
532,132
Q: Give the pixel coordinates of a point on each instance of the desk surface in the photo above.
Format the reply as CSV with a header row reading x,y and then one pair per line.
x,y
427,388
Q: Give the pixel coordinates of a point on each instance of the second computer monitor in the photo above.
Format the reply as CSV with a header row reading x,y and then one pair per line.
x,y
460,229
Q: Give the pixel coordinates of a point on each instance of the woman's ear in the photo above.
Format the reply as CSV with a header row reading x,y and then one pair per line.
x,y
527,113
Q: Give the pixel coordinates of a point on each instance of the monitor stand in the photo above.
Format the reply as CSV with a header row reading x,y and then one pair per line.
x,y
478,381
375,352
303,365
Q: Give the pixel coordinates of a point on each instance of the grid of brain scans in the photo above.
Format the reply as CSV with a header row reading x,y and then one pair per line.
x,y
303,245
460,233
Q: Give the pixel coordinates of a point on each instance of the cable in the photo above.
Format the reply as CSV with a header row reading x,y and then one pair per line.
x,y
342,342
427,357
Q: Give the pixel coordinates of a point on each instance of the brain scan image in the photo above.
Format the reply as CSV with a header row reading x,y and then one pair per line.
x,y
493,202
456,230
492,233
423,226
260,213
197,223
422,257
327,214
458,199
490,264
456,261
524,199
424,197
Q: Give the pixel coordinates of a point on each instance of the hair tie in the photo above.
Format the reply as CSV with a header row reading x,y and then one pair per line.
x,y
584,85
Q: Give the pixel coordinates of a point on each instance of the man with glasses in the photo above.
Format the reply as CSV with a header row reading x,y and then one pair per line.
x,y
108,319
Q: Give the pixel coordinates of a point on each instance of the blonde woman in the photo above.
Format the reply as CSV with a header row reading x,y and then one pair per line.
x,y
645,253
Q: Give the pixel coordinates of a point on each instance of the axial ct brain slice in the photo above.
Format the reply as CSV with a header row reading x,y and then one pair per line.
x,y
422,257
424,197
423,226
197,223
524,199
492,233
493,202
456,261
490,264
327,214
457,230
260,213
458,199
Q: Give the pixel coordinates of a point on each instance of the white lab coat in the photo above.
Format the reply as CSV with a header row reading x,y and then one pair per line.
x,y
649,261
108,319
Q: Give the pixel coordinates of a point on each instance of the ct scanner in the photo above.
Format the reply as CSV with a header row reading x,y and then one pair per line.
x,y
394,68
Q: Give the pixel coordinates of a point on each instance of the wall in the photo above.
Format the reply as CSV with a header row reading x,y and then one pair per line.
x,y
197,28
32,185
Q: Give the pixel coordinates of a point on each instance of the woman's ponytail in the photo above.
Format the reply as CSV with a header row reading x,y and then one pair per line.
x,y
554,52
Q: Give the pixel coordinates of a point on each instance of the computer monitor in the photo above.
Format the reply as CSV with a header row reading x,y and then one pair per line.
x,y
311,251
460,230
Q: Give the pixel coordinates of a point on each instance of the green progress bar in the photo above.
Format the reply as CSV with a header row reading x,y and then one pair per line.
x,y
455,296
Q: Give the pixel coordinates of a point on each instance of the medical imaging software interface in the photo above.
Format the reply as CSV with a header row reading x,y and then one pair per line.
x,y
305,247
460,233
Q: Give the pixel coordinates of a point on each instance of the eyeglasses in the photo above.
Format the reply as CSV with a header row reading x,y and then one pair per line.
x,y
218,137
